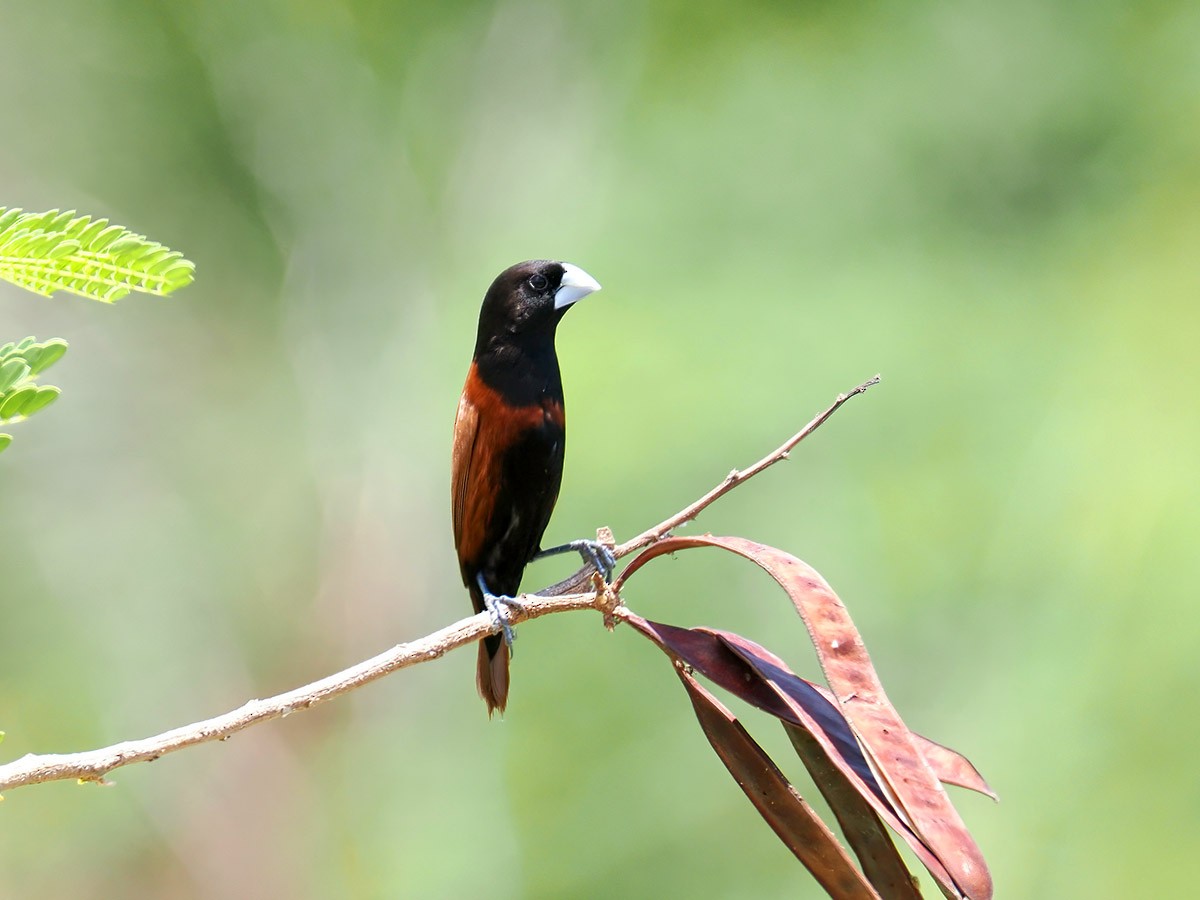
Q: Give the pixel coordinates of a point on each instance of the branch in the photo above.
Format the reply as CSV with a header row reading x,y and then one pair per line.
x,y
734,478
94,765
689,513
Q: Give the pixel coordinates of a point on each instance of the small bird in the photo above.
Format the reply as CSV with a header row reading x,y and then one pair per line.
x,y
509,438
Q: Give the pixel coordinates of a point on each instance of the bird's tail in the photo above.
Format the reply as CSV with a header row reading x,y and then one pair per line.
x,y
491,674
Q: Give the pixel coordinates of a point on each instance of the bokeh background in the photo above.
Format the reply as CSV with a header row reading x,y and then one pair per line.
x,y
245,487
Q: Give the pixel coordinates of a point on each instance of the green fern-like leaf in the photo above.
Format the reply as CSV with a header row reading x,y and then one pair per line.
x,y
59,251
20,364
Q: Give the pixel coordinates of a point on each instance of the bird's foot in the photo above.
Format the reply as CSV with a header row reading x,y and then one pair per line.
x,y
592,552
499,605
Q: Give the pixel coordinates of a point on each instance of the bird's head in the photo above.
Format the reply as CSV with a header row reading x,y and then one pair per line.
x,y
526,301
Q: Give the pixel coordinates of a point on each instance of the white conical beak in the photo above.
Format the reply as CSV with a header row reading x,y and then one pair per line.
x,y
575,285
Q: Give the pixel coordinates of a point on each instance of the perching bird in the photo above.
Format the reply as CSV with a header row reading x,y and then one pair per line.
x,y
509,437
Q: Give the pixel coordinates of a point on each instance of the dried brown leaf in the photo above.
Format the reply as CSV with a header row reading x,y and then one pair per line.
x,y
910,780
763,680
800,829
864,831
952,767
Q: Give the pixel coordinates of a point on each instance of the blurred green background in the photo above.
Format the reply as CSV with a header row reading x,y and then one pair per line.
x,y
245,487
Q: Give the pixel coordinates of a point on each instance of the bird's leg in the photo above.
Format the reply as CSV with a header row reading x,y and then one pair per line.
x,y
592,552
498,605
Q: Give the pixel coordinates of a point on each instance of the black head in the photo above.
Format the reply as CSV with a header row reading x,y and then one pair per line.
x,y
526,301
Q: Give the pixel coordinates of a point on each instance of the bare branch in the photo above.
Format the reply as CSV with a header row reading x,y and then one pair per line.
x,y
93,765
571,593
689,513
734,478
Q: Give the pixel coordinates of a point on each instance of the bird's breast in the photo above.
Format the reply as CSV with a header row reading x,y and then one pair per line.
x,y
503,415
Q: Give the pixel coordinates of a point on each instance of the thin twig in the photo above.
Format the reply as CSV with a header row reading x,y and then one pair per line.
x,y
94,765
578,579
734,478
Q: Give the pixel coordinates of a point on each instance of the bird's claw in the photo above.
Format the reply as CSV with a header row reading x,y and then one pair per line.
x,y
593,552
598,555
499,605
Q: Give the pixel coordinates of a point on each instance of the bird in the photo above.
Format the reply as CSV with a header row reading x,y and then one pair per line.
x,y
509,442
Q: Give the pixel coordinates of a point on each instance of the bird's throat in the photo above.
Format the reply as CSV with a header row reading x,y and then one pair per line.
x,y
523,376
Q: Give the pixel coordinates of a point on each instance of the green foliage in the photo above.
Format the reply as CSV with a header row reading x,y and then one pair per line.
x,y
20,365
59,251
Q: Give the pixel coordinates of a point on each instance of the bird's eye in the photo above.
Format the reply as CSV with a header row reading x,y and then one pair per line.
x,y
539,282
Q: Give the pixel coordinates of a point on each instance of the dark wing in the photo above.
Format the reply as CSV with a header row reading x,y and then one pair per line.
x,y
462,462
469,533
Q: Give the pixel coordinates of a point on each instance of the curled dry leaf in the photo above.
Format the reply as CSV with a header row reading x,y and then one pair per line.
x,y
785,811
894,753
952,767
846,780
858,810
861,825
